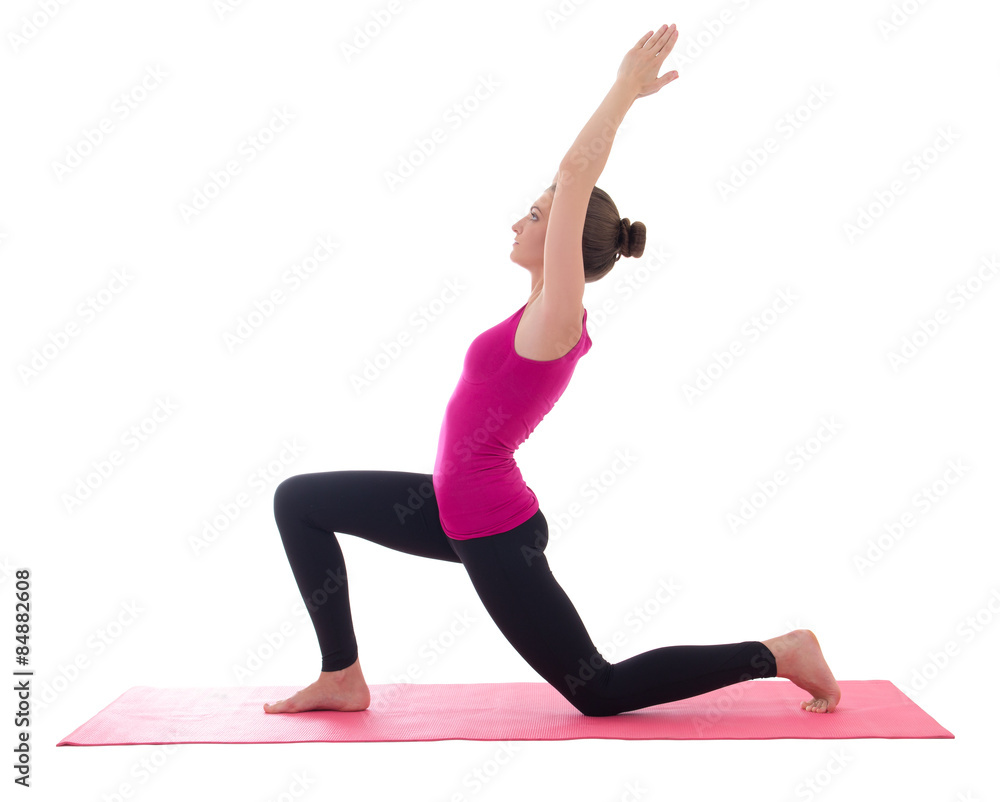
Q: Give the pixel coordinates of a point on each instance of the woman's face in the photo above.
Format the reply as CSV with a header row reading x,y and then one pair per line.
x,y
529,233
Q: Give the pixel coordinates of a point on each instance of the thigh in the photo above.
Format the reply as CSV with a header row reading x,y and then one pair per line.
x,y
512,577
396,509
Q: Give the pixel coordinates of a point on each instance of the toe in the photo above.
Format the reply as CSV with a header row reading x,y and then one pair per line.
x,y
816,705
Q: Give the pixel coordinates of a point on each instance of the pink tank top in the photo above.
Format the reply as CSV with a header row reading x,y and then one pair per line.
x,y
500,398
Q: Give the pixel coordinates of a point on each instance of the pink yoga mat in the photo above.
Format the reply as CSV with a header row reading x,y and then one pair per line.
x,y
521,711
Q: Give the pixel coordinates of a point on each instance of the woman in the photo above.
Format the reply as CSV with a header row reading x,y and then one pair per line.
x,y
477,510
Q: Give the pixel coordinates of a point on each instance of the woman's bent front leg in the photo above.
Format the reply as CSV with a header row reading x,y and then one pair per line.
x,y
392,508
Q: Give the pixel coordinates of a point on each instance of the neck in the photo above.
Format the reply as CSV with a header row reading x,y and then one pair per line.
x,y
536,285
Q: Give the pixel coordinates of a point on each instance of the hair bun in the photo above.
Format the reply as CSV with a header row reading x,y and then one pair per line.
x,y
631,238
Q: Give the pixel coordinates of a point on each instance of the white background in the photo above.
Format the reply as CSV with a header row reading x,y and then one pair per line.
x,y
870,88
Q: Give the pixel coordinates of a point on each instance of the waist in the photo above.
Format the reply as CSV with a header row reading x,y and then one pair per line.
x,y
475,471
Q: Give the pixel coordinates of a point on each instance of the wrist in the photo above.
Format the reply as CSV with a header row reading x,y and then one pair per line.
x,y
626,88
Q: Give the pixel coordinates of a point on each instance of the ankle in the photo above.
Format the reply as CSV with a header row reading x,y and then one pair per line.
x,y
779,648
349,674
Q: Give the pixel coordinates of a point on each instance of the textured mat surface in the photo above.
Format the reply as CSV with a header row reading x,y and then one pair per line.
x,y
520,711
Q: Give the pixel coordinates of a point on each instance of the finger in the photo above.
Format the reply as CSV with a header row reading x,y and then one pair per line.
x,y
652,39
661,82
643,39
657,40
667,48
671,41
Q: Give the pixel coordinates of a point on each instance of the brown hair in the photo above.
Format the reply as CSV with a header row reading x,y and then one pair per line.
x,y
606,236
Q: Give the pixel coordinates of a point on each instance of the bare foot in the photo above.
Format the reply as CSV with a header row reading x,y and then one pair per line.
x,y
334,690
800,659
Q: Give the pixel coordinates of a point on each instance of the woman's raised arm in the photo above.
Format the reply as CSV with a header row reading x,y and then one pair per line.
x,y
637,77
582,166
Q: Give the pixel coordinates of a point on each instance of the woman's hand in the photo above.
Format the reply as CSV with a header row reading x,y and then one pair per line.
x,y
641,64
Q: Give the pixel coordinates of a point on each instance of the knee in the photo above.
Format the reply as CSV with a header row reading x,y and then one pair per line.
x,y
594,707
586,692
285,495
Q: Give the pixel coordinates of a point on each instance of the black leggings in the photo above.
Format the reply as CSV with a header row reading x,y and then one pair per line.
x,y
511,575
